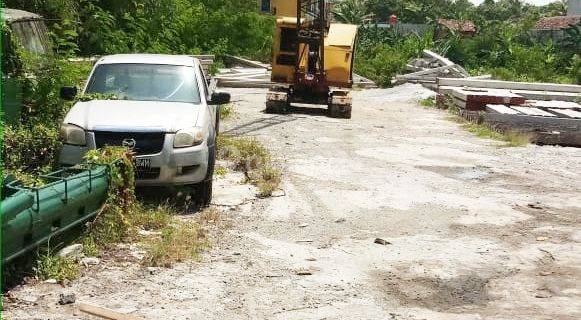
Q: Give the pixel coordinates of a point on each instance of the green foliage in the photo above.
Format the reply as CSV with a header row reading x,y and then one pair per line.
x,y
575,69
428,102
49,266
252,158
227,111
267,179
32,146
572,39
352,12
31,149
178,242
113,222
383,54
246,154
157,26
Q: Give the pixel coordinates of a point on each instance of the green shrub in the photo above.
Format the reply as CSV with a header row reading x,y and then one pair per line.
x,y
49,266
178,242
32,149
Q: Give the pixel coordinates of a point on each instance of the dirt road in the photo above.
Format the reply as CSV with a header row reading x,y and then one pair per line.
x,y
471,230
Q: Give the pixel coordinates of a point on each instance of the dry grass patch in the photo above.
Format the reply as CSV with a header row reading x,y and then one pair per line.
x,y
482,130
251,157
178,242
49,266
268,180
227,111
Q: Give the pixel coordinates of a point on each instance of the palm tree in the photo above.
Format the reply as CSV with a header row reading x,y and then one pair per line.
x,y
352,12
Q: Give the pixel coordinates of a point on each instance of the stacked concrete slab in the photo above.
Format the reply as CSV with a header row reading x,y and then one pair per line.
x,y
549,112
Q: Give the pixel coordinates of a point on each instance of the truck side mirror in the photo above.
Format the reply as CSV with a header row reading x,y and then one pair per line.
x,y
69,93
220,98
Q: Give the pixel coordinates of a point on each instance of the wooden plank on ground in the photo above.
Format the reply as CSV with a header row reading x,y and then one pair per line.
x,y
444,61
106,313
567,112
481,77
534,111
497,84
500,108
246,62
426,72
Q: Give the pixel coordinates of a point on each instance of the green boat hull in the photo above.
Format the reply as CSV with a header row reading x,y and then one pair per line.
x,y
32,216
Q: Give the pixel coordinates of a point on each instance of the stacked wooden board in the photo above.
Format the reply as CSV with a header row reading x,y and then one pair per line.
x,y
429,68
244,77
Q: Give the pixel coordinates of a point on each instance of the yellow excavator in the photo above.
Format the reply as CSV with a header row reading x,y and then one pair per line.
x,y
312,60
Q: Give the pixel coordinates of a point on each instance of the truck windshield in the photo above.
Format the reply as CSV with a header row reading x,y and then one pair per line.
x,y
145,82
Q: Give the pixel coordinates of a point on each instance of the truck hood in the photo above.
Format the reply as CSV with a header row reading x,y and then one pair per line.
x,y
123,115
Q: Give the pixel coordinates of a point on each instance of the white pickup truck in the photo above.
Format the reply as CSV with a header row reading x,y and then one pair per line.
x,y
162,110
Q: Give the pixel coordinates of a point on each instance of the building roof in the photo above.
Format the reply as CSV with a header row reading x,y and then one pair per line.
x,y
458,25
13,15
177,60
557,23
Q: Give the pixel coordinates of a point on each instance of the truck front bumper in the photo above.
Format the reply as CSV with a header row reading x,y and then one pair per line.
x,y
170,167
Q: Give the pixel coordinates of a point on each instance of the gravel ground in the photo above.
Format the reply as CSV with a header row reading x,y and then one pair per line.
x,y
468,229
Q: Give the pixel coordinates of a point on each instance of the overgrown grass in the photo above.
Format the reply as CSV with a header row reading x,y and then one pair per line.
x,y
267,179
227,111
179,241
49,266
247,154
428,102
482,130
251,157
220,171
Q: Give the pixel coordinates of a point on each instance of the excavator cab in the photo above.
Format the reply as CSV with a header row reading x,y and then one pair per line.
x,y
312,59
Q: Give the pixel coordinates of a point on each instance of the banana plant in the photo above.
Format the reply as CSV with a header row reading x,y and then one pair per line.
x,y
353,12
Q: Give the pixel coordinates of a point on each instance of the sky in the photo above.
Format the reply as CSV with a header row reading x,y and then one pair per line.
x,y
537,2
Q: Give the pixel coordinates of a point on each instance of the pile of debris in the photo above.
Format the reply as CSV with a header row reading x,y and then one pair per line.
x,y
431,67
548,112
246,73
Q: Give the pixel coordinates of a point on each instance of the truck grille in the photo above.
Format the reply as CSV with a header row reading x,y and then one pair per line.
x,y
144,143
147,173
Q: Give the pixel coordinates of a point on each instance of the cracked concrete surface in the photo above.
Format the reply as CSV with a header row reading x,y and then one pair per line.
x,y
475,230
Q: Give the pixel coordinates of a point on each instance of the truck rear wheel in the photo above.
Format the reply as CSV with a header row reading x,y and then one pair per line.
x,y
203,190
276,107
340,111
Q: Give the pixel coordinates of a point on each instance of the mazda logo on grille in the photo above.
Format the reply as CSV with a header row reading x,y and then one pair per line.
x,y
129,143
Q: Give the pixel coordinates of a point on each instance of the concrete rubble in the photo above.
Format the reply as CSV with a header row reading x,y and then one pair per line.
x,y
430,67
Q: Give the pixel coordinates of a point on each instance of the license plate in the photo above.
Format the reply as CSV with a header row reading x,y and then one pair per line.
x,y
142,163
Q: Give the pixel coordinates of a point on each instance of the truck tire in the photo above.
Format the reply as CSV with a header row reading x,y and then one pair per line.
x,y
340,111
276,107
218,122
203,190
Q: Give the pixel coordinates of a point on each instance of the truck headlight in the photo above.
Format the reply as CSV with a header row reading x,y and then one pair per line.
x,y
189,137
72,134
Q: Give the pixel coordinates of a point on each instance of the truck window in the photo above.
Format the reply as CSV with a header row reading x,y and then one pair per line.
x,y
146,82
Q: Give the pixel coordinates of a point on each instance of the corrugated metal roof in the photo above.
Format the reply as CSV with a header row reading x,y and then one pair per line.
x,y
557,23
458,25
12,15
